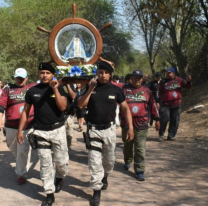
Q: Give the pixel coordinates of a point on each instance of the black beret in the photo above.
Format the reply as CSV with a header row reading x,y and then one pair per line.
x,y
46,66
105,65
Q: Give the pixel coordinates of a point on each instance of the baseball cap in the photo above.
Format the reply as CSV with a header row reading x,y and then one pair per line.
x,y
20,72
137,73
170,70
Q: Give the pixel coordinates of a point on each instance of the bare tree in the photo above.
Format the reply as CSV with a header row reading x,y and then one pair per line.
x,y
176,16
146,25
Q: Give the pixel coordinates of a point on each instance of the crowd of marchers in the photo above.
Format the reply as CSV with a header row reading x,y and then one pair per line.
x,y
40,116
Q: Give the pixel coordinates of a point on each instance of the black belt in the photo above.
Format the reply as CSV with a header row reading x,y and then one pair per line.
x,y
48,127
101,126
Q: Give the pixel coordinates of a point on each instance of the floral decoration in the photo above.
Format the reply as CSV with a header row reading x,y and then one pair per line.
x,y
75,71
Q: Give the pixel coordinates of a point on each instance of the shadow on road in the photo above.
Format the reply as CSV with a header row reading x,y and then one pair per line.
x,y
9,178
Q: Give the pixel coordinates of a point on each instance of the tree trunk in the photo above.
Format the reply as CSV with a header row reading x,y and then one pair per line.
x,y
180,58
152,63
181,62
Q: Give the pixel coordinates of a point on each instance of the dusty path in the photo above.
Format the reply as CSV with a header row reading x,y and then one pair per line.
x,y
176,175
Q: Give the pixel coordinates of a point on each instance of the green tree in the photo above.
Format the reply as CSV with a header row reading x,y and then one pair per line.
x,y
6,68
27,46
177,17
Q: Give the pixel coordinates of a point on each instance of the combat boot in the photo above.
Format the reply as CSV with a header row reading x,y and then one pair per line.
x,y
105,183
58,184
95,201
50,199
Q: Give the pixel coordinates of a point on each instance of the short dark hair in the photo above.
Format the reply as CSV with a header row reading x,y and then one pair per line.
x,y
127,77
115,77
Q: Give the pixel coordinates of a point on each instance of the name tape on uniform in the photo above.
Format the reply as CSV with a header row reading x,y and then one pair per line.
x,y
111,97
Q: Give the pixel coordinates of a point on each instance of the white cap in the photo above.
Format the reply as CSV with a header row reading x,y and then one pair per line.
x,y
20,72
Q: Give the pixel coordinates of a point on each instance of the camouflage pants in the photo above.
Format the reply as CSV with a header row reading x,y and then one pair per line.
x,y
57,139
101,163
22,153
69,124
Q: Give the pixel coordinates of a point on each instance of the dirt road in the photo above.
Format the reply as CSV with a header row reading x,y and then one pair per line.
x,y
176,175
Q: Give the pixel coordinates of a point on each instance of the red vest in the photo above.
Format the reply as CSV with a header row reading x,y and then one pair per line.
x,y
170,91
141,102
13,101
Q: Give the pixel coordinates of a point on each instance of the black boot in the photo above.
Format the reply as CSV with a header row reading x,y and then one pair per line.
x,y
95,201
105,183
50,199
58,184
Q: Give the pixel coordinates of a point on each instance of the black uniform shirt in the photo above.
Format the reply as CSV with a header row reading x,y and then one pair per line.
x,y
102,103
70,103
154,87
46,112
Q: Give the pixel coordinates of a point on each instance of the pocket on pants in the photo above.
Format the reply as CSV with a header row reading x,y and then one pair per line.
x,y
63,144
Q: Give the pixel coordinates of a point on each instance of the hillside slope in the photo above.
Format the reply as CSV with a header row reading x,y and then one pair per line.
x,y
194,122
193,128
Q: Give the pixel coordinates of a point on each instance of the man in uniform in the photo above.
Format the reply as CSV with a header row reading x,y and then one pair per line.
x,y
170,103
128,79
101,99
142,104
146,81
69,122
154,87
115,78
69,114
50,101
12,102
